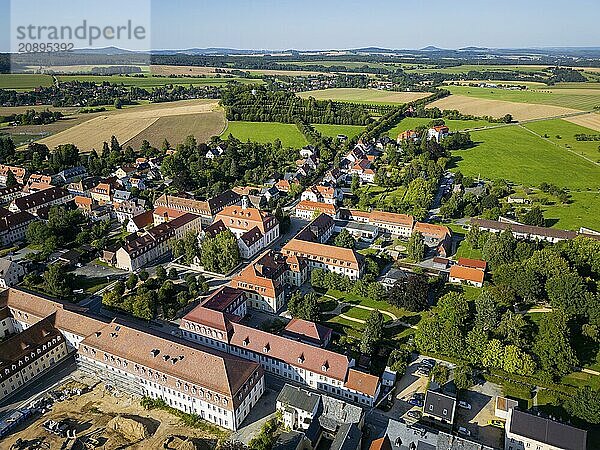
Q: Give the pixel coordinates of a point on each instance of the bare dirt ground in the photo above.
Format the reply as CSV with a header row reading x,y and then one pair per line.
x,y
499,108
591,121
96,413
125,124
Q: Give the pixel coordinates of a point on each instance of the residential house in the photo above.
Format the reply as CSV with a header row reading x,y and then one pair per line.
x,y
46,198
37,182
154,243
308,151
102,193
206,209
263,280
298,407
363,169
334,176
438,133
127,209
440,407
140,222
125,171
13,227
11,272
529,431
82,187
297,272
322,194
408,135
309,244
8,194
69,175
307,209
438,237
254,229
20,174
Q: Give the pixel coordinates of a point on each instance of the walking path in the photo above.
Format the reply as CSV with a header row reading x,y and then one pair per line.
x,y
338,311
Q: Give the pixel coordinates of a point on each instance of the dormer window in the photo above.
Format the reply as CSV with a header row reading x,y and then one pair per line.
x,y
325,366
266,348
246,341
301,358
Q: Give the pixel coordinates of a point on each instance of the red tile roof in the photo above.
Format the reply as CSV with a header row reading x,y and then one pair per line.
x,y
362,382
467,274
472,263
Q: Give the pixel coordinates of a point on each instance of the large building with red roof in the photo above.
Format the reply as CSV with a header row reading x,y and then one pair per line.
x,y
293,359
217,386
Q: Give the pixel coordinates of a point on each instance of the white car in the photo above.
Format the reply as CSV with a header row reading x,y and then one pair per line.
x,y
464,431
464,405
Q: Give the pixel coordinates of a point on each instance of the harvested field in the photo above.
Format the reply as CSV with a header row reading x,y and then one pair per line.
x,y
499,108
125,124
364,95
176,128
114,421
8,110
591,121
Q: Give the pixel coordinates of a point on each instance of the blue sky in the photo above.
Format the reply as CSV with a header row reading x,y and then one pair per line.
x,y
327,24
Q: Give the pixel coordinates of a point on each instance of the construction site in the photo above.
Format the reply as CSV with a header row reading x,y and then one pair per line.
x,y
84,417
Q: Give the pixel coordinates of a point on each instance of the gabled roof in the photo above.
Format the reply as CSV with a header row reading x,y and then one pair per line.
x,y
326,208
546,431
14,220
392,218
251,237
472,263
234,216
215,228
362,382
307,330
263,273
336,256
298,398
40,198
466,273
218,372
144,219
381,444
432,230
222,298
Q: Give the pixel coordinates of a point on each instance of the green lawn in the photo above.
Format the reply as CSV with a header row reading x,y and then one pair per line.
x,y
562,133
411,123
567,98
515,154
333,130
383,198
362,314
151,81
264,132
22,81
583,211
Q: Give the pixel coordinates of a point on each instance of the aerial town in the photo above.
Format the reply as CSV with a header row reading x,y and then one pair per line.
x,y
363,249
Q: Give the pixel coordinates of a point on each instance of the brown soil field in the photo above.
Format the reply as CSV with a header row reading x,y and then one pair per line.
x,y
591,121
176,128
499,108
90,413
125,124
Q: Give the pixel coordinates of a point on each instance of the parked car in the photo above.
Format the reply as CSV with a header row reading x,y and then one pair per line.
x,y
464,431
464,405
428,362
423,372
496,423
414,414
415,402
419,395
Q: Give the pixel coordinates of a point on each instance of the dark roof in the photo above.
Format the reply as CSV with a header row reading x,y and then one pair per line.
x,y
440,405
226,198
347,437
14,220
288,440
215,228
251,236
40,198
547,431
529,229
298,398
222,298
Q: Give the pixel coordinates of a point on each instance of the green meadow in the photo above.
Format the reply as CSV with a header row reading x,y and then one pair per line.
x,y
516,154
264,132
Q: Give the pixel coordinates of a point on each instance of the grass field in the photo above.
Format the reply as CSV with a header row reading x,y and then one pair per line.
x,y
334,130
21,81
562,133
176,128
465,68
583,211
497,107
367,96
515,154
154,81
410,123
264,132
125,124
580,99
